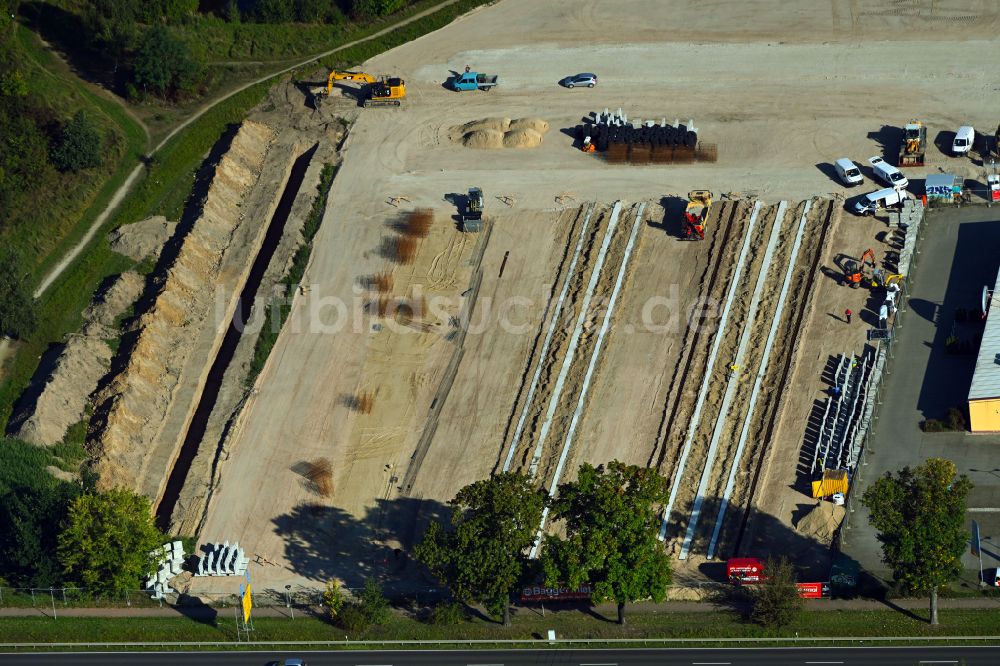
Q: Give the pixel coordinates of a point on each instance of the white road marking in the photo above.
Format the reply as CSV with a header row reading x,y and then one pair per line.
x,y
824,662
974,509
710,663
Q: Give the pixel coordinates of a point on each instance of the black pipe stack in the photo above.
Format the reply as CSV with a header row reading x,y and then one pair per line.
x,y
620,141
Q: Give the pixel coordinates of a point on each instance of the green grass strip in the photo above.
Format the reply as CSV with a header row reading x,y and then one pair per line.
x,y
527,626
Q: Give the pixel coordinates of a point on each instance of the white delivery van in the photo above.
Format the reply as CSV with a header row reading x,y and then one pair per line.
x,y
848,172
887,173
872,201
964,137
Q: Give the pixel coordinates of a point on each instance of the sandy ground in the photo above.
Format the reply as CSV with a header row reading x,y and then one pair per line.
x,y
783,89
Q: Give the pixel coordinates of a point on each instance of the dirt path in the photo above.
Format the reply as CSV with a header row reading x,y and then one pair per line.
x,y
126,187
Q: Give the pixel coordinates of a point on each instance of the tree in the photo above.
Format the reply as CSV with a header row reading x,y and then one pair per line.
x,y
78,145
367,9
28,520
920,518
611,535
24,151
373,604
483,556
17,305
333,598
107,540
273,11
163,64
315,11
776,600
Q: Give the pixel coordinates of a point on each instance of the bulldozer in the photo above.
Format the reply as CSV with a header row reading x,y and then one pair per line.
x,y
854,270
914,147
696,214
472,216
382,91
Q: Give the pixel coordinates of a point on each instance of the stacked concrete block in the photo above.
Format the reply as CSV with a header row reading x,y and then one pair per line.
x,y
222,560
169,560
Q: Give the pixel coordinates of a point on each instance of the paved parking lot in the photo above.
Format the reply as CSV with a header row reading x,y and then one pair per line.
x,y
959,252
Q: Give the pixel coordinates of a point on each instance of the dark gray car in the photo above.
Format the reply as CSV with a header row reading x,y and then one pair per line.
x,y
589,80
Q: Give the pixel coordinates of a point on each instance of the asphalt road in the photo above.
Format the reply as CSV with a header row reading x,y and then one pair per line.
x,y
831,656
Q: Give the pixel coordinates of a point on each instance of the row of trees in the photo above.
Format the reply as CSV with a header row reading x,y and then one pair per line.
x,y
609,518
609,515
303,11
141,41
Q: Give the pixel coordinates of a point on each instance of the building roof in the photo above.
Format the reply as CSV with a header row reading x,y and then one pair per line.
x,y
986,380
940,180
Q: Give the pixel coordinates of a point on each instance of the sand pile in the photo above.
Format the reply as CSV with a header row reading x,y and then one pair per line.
x,y
522,138
492,133
822,522
84,360
497,124
484,138
142,239
131,409
537,124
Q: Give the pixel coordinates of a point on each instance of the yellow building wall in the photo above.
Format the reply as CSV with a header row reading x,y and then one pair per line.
x,y
984,415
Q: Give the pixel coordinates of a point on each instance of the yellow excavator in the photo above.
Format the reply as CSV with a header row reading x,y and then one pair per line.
x,y
383,91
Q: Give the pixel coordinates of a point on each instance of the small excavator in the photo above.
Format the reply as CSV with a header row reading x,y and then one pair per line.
x,y
383,91
854,270
696,213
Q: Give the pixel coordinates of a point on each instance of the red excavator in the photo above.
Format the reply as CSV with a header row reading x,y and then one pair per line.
x,y
854,271
696,213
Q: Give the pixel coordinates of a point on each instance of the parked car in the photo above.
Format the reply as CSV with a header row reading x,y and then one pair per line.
x,y
888,174
589,80
848,172
962,142
871,202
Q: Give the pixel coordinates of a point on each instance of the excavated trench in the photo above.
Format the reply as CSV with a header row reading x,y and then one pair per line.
x,y
213,383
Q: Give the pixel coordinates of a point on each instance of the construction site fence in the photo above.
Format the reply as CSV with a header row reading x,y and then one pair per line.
x,y
910,223
78,597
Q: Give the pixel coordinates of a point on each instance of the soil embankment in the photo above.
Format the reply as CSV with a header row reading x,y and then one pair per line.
x,y
59,399
163,370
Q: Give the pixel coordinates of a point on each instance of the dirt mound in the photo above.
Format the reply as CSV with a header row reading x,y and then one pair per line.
x,y
522,138
485,138
497,124
822,522
142,239
537,124
115,300
84,360
492,133
131,410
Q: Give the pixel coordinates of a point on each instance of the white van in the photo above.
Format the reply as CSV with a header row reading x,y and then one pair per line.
x,y
964,137
872,201
887,173
848,172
